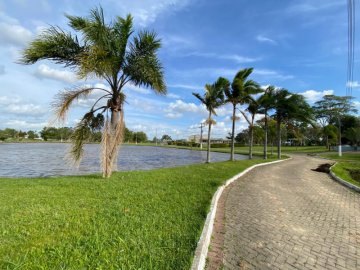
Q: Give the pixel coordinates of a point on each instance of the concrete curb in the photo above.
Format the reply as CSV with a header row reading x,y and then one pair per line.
x,y
343,182
204,242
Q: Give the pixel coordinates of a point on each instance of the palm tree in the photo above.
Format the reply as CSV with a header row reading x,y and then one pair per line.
x,y
101,50
253,109
289,106
266,102
239,93
212,99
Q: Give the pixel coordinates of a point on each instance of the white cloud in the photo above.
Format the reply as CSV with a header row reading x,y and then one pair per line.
x,y
172,95
146,12
16,106
14,35
21,124
264,39
176,43
353,84
140,90
309,6
174,115
267,73
233,57
313,95
186,86
44,71
178,108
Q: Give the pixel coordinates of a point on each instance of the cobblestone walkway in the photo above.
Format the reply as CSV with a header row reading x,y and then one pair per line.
x,y
286,216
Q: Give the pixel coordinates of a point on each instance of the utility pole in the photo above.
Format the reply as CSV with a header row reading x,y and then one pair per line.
x,y
202,125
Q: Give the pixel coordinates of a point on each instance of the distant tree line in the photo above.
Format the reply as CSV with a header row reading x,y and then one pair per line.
x,y
64,134
299,134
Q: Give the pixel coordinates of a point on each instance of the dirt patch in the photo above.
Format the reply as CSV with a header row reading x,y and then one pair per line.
x,y
325,168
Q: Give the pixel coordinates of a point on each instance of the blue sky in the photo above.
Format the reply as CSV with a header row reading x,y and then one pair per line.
x,y
300,45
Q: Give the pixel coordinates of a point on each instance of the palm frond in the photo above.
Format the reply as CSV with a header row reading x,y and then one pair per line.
x,y
123,29
243,74
76,22
65,99
56,45
142,64
81,134
199,97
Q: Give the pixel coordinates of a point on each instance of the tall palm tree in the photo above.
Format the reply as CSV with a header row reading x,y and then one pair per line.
x,y
106,51
253,108
239,94
266,102
212,99
289,106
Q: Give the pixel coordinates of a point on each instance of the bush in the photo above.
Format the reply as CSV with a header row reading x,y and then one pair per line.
x,y
219,145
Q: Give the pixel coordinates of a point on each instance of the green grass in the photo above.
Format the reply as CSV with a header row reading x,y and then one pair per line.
x,y
258,150
343,170
353,156
347,164
134,220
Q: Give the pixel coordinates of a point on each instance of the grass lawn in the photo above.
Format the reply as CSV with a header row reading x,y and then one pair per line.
x,y
134,220
347,167
258,150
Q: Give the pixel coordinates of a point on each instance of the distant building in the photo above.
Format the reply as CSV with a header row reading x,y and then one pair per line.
x,y
196,139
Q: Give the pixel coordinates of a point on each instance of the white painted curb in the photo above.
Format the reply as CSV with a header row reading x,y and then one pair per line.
x,y
342,181
204,242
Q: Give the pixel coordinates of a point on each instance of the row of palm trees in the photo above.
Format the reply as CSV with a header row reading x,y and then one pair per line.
x,y
278,103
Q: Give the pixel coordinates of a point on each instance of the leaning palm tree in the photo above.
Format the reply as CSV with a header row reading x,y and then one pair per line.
x,y
266,102
212,99
239,93
289,106
105,51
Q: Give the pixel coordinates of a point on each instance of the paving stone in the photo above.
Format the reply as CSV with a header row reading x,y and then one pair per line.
x,y
286,216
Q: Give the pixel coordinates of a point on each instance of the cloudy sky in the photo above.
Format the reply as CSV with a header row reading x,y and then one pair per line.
x,y
297,44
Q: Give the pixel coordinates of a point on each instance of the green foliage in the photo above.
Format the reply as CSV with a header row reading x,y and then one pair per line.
x,y
220,145
166,137
139,137
32,135
353,135
133,220
214,94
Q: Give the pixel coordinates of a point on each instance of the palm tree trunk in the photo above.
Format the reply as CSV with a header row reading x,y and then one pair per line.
x,y
266,136
112,138
278,131
251,141
327,142
114,119
208,142
233,134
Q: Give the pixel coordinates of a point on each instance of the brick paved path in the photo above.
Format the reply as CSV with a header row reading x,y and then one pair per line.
x,y
286,216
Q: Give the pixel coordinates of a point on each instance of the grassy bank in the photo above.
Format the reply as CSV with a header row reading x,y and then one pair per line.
x,y
347,167
134,220
257,150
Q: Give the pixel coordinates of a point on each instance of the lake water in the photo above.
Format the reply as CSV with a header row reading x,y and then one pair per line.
x,y
48,159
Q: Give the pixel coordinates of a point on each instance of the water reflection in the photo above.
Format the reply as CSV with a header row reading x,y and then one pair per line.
x,y
48,159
